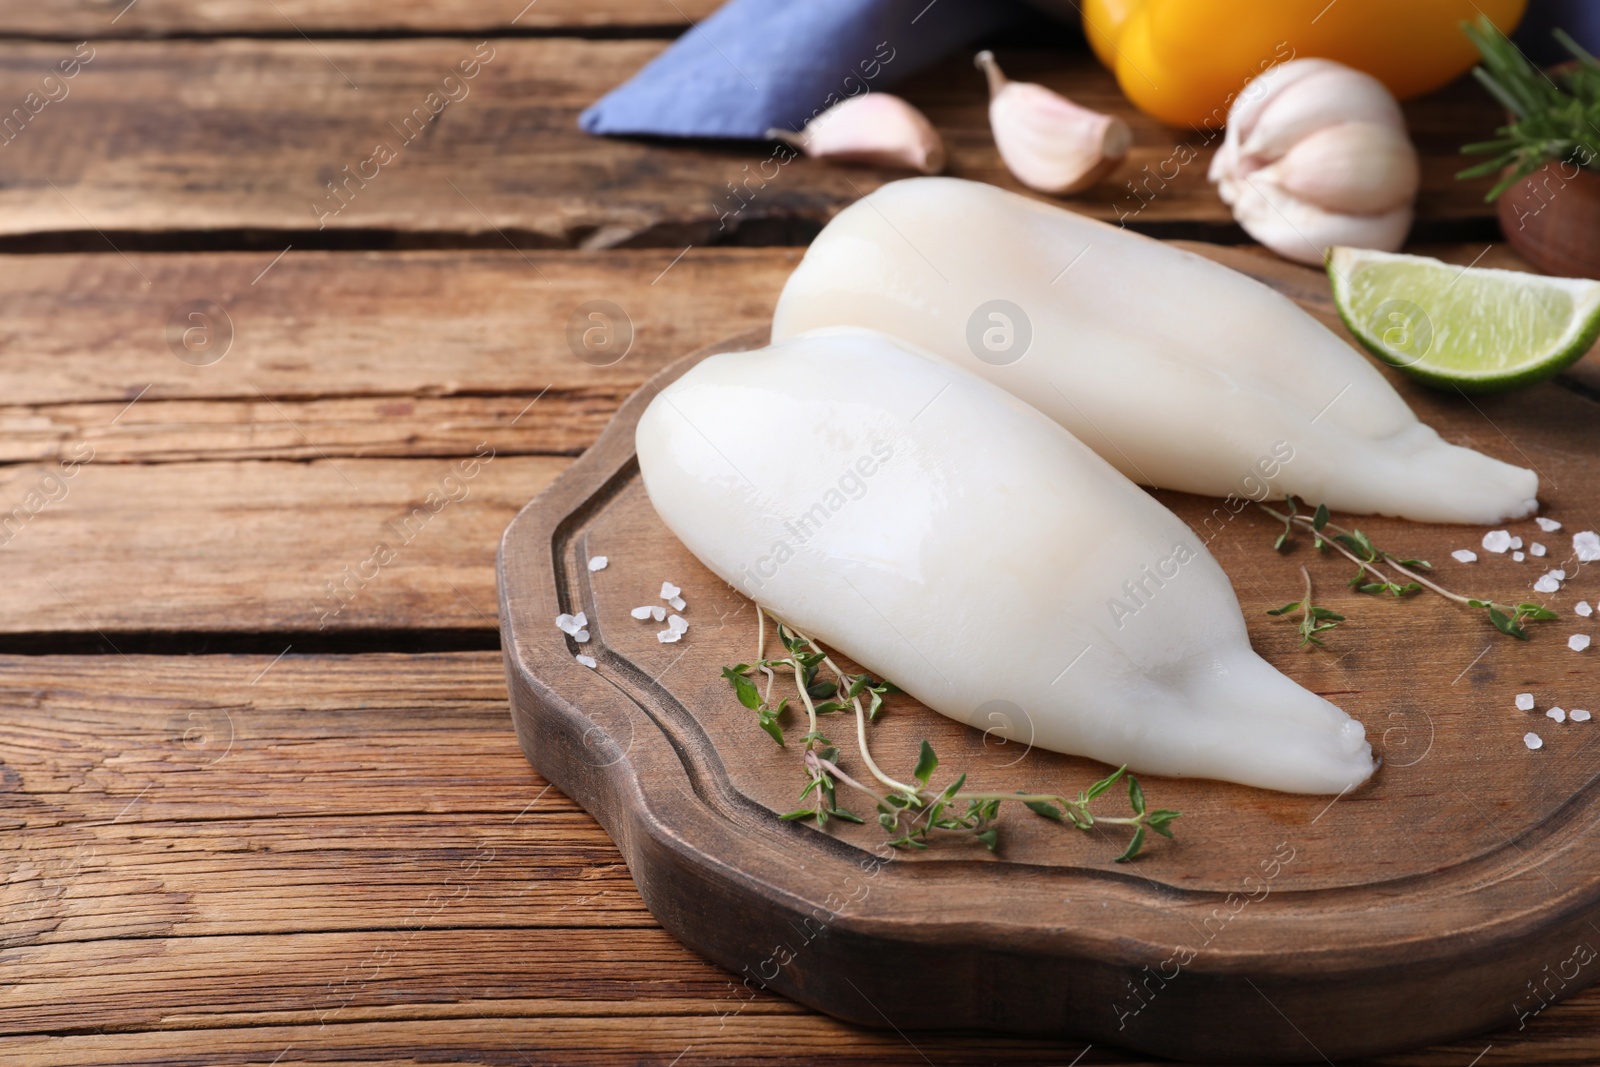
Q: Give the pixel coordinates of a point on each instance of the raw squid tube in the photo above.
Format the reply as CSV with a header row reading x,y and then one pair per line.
x,y
951,538
1180,372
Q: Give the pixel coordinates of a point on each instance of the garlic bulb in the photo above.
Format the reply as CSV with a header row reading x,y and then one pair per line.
x,y
1048,142
873,128
1316,155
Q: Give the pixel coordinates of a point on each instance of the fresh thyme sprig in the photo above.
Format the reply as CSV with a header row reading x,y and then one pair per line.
x,y
912,813
1557,115
1371,578
748,695
1313,619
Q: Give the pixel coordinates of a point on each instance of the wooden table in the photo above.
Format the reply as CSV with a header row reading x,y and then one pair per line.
x,y
262,800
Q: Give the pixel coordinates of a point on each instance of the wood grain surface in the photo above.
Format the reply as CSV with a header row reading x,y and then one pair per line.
x,y
160,18
323,545
247,859
395,326
200,136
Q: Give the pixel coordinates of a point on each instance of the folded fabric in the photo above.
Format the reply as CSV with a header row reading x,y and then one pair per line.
x,y
757,65
1580,18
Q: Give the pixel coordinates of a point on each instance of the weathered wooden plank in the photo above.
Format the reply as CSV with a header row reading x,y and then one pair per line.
x,y
162,431
155,18
346,544
285,135
225,737
369,974
186,796
403,327
89,881
489,1035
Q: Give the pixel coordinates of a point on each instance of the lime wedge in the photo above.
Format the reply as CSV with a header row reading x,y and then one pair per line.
x,y
1474,329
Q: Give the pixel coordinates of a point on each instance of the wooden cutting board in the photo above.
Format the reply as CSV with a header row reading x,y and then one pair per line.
x,y
1458,891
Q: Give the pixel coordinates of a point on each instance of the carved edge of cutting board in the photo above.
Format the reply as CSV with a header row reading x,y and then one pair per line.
x,y
992,945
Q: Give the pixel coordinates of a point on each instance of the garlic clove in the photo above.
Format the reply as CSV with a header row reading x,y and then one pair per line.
x,y
1354,168
874,128
1047,142
1247,107
1246,110
1324,98
1303,232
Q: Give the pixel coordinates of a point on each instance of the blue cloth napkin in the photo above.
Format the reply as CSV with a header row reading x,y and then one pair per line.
x,y
1580,18
757,65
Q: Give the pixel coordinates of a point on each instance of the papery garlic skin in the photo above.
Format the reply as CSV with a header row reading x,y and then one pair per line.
x,y
873,128
1351,168
1298,229
1047,142
947,536
1182,373
1316,155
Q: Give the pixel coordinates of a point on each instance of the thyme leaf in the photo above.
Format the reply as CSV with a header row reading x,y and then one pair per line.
x,y
1372,579
913,814
1313,619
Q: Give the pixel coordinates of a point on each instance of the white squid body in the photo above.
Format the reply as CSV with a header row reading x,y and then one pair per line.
x,y
1180,372
951,538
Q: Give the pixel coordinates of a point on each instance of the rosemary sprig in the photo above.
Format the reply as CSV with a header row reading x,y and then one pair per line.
x,y
1557,115
1371,578
911,813
1313,619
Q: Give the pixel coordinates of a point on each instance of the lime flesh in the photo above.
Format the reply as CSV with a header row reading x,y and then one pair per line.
x,y
1473,329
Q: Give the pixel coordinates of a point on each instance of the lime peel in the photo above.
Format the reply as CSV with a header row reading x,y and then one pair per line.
x,y
1473,329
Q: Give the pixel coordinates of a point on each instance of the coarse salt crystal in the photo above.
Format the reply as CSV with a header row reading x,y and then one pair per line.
x,y
677,623
643,613
668,590
1497,540
1557,714
1516,542
1518,557
571,624
1536,549
1578,642
1582,608
1587,546
1547,525
587,661
581,636
666,637
1559,575
1533,740
657,612
1524,701
1578,715
1546,584
1465,555
678,603
598,563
